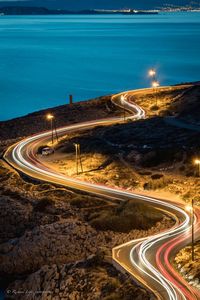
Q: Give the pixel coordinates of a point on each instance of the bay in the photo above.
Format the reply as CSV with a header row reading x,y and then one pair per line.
x,y
43,59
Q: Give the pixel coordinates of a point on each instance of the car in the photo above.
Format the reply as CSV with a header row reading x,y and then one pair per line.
x,y
47,151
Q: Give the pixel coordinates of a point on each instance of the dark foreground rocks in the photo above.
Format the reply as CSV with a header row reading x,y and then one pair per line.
x,y
91,279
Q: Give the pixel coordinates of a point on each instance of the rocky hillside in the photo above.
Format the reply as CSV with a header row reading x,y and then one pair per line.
x,y
91,279
45,230
65,114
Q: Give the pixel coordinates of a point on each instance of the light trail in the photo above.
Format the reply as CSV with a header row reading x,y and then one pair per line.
x,y
147,259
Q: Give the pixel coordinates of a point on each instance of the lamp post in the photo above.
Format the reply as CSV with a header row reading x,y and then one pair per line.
x,y
190,208
192,220
155,85
80,161
197,163
50,118
78,157
55,127
76,149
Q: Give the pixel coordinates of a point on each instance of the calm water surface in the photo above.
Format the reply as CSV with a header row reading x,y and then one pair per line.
x,y
43,59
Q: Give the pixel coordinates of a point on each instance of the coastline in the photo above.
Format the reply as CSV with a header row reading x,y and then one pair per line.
x,y
26,10
42,11
76,111
31,85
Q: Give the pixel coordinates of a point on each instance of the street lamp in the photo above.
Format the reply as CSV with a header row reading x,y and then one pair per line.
x,y
76,149
190,208
78,157
155,85
197,163
50,118
152,73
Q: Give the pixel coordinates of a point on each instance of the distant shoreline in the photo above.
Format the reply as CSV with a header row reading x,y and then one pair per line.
x,y
22,10
34,10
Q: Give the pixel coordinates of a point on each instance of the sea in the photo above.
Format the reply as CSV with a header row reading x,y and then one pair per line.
x,y
44,59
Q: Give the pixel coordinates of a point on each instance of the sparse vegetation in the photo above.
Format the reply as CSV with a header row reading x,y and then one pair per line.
x,y
154,107
157,176
169,102
125,217
189,269
157,184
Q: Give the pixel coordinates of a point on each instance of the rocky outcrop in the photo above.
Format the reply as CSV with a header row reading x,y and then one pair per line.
x,y
92,279
14,218
62,242
59,242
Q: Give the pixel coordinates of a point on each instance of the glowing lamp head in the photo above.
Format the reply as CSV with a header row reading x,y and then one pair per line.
x,y
188,208
50,117
197,161
155,84
152,72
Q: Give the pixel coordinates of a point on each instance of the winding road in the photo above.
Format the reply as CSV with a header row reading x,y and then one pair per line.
x,y
148,260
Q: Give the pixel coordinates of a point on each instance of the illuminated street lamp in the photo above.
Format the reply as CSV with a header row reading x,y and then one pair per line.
x,y
155,85
50,118
190,209
197,163
152,73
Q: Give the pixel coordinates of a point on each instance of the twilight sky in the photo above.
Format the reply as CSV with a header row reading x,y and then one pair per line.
x,y
85,4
